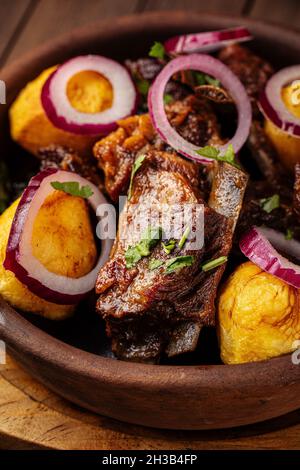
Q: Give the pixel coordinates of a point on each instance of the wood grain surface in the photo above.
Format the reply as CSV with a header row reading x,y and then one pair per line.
x,y
30,415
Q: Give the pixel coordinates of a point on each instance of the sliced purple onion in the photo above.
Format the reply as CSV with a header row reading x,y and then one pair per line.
x,y
272,104
211,66
62,114
209,41
259,245
19,257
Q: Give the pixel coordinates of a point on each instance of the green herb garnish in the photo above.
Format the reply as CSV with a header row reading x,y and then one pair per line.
x,y
157,50
214,263
204,79
168,98
270,203
214,153
143,86
184,238
155,263
169,246
289,234
178,263
137,164
73,188
149,239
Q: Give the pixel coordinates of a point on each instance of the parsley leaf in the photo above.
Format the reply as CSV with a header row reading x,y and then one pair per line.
x,y
214,263
136,166
289,234
215,154
169,246
168,98
73,188
157,50
270,203
184,238
149,239
143,86
178,263
155,263
204,79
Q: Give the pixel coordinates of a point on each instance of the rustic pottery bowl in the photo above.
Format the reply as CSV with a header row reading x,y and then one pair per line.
x,y
73,358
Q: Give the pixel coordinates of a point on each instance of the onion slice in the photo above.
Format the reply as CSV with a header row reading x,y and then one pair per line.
x,y
210,65
19,257
272,105
259,245
62,114
208,41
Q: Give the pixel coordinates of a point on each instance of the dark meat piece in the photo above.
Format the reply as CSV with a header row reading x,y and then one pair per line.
x,y
252,70
296,200
146,68
193,119
149,311
55,156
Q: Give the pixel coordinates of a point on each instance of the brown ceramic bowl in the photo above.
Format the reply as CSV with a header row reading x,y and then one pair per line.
x,y
72,358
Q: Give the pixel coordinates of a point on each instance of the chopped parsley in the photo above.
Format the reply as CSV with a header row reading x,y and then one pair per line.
x,y
136,166
204,79
289,234
169,246
143,86
268,204
184,238
149,239
214,263
73,188
214,153
168,98
157,50
178,263
155,263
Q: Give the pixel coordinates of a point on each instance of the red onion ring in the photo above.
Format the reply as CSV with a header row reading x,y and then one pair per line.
x,y
207,41
19,258
257,245
229,80
272,105
60,111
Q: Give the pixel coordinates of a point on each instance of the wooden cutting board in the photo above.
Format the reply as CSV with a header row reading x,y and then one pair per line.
x,y
32,417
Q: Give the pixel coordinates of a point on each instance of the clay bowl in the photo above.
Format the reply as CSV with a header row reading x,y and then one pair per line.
x,y
72,358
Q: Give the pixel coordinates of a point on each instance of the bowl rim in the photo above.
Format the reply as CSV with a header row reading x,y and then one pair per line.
x,y
17,331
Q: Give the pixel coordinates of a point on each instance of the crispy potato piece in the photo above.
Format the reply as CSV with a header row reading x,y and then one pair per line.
x,y
30,126
62,240
259,316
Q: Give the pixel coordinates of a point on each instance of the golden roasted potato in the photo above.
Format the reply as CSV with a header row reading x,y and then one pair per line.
x,y
258,316
87,91
62,240
287,146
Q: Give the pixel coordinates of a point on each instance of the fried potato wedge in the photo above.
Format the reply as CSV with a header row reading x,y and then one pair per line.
x,y
64,243
259,316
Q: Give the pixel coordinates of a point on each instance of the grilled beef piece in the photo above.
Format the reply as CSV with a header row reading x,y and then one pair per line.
x,y
252,70
193,119
149,312
55,156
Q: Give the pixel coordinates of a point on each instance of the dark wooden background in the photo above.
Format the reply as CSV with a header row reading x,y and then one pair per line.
x,y
27,23
30,415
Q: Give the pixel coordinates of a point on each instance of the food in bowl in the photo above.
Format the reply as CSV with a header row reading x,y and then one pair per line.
x,y
184,128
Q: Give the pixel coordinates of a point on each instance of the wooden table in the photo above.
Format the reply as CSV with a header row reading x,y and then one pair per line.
x,y
30,415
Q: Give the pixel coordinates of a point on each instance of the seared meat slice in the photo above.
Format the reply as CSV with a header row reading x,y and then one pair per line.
x,y
252,70
55,156
193,119
149,311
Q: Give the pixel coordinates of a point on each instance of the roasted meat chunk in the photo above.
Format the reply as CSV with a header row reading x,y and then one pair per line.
x,y
159,303
193,118
252,70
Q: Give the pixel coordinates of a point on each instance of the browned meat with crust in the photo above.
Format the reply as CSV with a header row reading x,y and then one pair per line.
x,y
55,156
252,70
193,119
150,311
